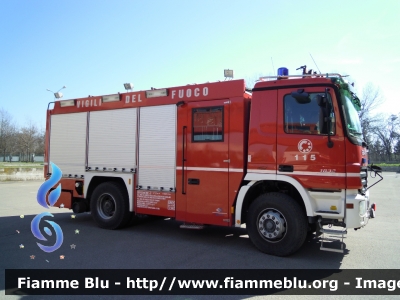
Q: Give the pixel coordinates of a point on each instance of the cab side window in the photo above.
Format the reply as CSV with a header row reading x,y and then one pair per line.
x,y
307,117
208,124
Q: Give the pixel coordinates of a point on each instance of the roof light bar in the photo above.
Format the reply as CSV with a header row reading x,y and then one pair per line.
x,y
111,98
326,75
156,93
66,103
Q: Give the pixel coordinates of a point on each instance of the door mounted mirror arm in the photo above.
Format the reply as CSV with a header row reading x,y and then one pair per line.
x,y
329,109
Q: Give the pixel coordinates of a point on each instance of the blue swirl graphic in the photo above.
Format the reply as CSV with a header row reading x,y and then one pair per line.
x,y
47,185
36,232
41,199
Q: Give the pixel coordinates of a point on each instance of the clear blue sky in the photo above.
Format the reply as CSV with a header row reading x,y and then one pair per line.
x,y
93,47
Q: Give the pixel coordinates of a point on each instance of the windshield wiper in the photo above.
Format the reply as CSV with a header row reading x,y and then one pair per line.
x,y
354,132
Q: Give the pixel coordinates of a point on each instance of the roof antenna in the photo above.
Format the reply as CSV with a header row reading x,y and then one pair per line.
x,y
273,67
315,64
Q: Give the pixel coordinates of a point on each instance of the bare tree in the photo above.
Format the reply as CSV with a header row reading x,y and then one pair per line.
x,y
28,141
397,149
372,98
40,142
8,132
388,133
376,152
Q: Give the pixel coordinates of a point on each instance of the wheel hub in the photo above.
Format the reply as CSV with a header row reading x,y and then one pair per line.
x,y
271,225
106,206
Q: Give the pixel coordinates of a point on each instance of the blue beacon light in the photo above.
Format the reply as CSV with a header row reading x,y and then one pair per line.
x,y
283,72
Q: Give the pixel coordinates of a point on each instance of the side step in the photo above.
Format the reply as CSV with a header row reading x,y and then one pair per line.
x,y
192,226
331,235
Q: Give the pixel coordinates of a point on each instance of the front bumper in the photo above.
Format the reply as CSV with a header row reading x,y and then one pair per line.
x,y
358,209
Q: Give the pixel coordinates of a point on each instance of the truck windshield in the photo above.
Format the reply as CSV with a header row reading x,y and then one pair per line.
x,y
353,121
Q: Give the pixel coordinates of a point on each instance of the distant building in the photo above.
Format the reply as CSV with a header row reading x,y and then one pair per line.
x,y
39,158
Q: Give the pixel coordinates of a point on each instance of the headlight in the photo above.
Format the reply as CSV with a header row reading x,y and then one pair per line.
x,y
362,207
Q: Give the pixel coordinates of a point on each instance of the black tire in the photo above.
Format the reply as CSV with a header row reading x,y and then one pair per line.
x,y
313,231
276,224
312,228
109,205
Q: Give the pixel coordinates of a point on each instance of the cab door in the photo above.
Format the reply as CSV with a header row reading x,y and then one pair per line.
x,y
302,140
207,162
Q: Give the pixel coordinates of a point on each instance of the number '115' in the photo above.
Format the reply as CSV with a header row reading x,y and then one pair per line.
x,y
305,157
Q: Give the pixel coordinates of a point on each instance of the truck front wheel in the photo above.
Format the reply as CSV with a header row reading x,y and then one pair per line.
x,y
276,224
110,206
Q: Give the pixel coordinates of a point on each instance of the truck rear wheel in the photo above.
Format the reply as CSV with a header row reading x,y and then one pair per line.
x,y
109,205
276,224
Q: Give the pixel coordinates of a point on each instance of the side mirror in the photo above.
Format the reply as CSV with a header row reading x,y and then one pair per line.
x,y
375,169
325,108
321,100
324,114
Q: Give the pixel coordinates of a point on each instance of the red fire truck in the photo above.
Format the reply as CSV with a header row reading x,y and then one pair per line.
x,y
283,159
